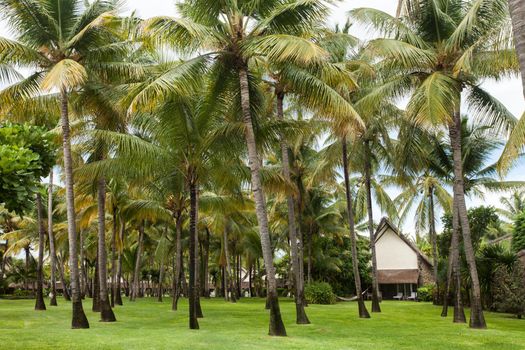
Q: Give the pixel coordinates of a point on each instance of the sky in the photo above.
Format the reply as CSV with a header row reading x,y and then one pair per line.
x,y
508,91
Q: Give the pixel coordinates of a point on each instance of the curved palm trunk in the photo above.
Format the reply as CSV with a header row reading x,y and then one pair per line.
x,y
477,319
118,295
193,322
52,252
106,312
276,323
39,304
79,319
178,258
300,313
83,275
363,312
433,240
136,272
375,284
517,13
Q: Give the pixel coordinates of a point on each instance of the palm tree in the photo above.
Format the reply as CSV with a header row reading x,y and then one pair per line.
x,y
440,52
517,13
513,205
69,43
236,34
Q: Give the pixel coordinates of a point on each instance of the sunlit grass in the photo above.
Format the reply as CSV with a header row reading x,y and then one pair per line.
x,y
147,324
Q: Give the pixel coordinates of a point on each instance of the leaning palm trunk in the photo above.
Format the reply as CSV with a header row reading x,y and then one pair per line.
x,y
517,12
106,313
79,319
363,312
193,322
459,313
52,252
178,260
433,240
276,323
300,313
477,319
375,284
39,304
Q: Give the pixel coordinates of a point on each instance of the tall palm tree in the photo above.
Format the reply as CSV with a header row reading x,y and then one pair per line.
x,y
236,34
517,13
68,43
441,53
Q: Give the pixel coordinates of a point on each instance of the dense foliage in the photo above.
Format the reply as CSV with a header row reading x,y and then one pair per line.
x,y
319,293
518,235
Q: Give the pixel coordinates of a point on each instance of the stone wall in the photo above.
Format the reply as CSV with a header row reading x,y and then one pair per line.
x,y
426,274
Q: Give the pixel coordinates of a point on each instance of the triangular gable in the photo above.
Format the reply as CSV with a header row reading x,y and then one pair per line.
x,y
384,224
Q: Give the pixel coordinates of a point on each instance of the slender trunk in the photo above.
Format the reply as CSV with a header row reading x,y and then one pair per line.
x,y
227,270
300,313
206,258
368,184
250,268
276,326
363,312
161,278
193,322
79,319
52,251
2,268
65,290
83,273
517,13
459,313
114,261
96,287
39,304
300,240
136,272
118,293
198,308
178,258
106,312
477,319
26,272
448,285
309,267
433,241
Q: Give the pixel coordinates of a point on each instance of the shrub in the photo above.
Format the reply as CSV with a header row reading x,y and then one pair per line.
x,y
509,290
319,293
518,236
425,293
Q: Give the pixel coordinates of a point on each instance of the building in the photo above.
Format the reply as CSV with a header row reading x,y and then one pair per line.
x,y
401,266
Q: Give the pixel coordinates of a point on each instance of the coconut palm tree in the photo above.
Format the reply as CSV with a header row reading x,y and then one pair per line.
x,y
441,53
513,205
64,43
517,13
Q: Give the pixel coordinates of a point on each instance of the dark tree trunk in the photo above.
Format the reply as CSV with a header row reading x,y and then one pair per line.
x,y
96,288
83,271
26,272
433,241
161,280
193,322
363,312
106,312
276,326
52,252
198,308
300,313
178,257
114,260
448,285
309,267
477,319
459,313
368,184
118,294
136,271
79,319
227,269
39,304
205,259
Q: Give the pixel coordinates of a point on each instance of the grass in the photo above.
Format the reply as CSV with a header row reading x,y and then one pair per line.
x,y
147,324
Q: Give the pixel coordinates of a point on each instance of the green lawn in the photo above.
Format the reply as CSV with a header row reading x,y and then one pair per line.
x,y
148,324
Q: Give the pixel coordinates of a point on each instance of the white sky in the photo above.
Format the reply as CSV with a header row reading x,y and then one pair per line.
x,y
508,91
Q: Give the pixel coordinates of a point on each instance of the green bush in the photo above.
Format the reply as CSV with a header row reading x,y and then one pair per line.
x,y
425,293
518,235
319,293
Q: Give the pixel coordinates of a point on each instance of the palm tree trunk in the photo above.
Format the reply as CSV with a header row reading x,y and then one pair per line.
x,y
517,13
276,323
198,308
26,272
52,252
79,319
206,258
193,322
161,278
96,287
178,258
39,304
300,313
459,313
477,319
368,181
106,312
363,312
118,293
136,272
309,263
448,285
433,241
227,271
114,262
300,240
60,266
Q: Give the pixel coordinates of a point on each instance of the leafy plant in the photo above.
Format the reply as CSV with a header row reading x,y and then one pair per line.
x,y
518,236
319,293
425,293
